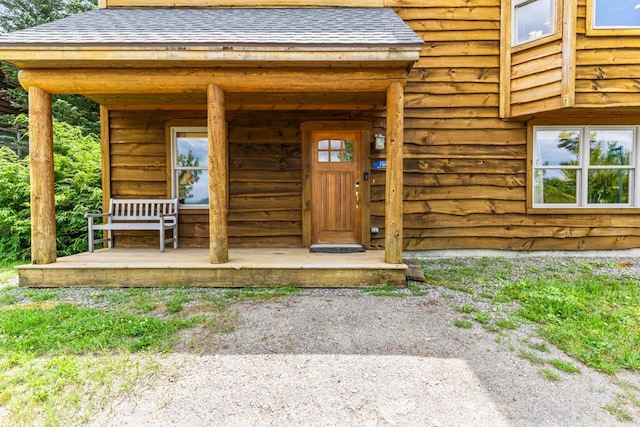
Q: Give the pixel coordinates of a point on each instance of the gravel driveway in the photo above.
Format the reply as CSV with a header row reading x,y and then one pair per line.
x,y
343,357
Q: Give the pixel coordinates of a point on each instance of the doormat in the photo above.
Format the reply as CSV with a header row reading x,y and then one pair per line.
x,y
329,248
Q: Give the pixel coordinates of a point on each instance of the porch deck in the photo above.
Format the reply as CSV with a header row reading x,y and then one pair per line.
x,y
191,267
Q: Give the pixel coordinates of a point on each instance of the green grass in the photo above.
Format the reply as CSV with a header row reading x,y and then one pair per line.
x,y
463,323
533,358
412,289
594,318
61,362
8,270
580,307
549,374
460,276
467,308
540,346
565,366
68,329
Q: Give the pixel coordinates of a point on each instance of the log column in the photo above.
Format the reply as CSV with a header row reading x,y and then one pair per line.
x,y
43,209
218,176
393,184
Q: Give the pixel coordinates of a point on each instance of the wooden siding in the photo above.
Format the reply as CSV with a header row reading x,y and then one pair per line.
x,y
265,174
465,168
538,76
607,68
577,69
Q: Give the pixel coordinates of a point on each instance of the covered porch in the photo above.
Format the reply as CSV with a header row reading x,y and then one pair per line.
x,y
311,63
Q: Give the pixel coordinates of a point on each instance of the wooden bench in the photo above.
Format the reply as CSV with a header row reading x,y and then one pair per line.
x,y
137,214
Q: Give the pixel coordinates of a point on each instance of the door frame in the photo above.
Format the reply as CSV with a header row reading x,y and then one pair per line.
x,y
365,147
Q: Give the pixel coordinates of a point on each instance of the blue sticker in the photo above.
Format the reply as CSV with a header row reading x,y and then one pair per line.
x,y
380,164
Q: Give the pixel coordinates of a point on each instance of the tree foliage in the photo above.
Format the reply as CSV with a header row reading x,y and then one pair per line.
x,y
20,14
77,186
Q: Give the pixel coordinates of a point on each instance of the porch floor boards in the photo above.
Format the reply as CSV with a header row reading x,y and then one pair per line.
x,y
129,267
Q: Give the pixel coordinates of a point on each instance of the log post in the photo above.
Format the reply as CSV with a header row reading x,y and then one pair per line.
x,y
43,209
218,176
393,183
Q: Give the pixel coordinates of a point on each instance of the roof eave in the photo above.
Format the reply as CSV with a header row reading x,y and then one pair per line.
x,y
47,56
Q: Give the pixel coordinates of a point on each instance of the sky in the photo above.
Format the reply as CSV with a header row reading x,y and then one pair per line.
x,y
617,13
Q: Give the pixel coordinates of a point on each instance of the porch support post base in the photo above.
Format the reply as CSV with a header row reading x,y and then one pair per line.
x,y
218,176
394,183
43,209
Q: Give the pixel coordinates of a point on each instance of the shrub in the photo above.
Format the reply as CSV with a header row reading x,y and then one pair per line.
x,y
78,190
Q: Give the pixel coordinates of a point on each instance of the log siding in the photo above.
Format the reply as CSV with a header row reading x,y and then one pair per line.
x,y
465,167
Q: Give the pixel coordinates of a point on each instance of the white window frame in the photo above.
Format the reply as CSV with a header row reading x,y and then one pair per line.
x,y
515,4
582,170
174,167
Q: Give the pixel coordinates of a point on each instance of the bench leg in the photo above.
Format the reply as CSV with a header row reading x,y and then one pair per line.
x,y
91,244
175,237
161,239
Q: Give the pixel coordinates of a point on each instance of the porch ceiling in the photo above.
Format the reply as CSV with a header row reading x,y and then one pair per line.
x,y
363,101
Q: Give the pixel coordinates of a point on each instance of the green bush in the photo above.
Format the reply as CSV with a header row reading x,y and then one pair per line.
x,y
78,190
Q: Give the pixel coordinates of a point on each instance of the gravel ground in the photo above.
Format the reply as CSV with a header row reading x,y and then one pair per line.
x,y
344,357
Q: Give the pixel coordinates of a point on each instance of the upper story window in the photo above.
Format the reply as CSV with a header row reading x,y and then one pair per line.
x,y
616,14
613,17
532,20
190,176
585,166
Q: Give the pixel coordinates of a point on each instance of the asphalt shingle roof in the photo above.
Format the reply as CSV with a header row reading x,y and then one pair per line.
x,y
375,27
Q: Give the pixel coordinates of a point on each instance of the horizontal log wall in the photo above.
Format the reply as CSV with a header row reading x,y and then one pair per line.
x,y
265,174
465,168
536,79
607,68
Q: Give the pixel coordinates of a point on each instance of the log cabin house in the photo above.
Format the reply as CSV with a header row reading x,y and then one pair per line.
x,y
509,125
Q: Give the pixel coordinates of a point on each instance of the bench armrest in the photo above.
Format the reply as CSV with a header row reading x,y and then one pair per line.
x,y
100,215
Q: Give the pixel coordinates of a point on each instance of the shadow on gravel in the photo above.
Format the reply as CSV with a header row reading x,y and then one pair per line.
x,y
423,327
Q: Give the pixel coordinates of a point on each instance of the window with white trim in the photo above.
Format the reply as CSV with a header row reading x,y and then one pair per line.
x,y
532,20
585,166
189,171
616,14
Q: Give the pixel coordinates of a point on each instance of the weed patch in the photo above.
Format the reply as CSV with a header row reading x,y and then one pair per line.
x,y
463,323
565,366
549,374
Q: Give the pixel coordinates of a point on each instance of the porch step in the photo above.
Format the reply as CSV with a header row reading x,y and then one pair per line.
x,y
331,248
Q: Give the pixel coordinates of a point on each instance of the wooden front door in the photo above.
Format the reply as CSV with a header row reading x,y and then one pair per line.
x,y
336,189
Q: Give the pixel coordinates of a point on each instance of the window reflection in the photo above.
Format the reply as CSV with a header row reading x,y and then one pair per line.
x,y
557,147
555,186
191,180
336,151
611,147
533,19
616,14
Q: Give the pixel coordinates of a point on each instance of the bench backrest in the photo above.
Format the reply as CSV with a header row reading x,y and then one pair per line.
x,y
142,209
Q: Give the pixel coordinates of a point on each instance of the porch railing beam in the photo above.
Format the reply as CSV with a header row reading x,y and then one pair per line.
x,y
218,176
43,210
394,183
